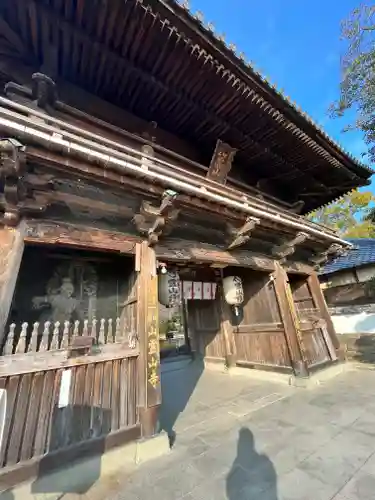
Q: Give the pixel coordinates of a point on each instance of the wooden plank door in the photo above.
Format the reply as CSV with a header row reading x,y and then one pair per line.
x,y
260,337
204,327
316,344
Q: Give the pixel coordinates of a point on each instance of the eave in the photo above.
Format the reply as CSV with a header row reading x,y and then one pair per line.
x,y
113,50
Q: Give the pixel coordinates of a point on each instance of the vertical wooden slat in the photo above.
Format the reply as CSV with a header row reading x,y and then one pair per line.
x,y
8,348
124,375
21,344
76,431
106,397
33,346
96,410
87,402
32,416
46,409
16,435
115,395
50,437
44,344
12,384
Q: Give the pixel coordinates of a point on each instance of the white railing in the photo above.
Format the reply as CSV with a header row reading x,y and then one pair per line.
x,y
48,336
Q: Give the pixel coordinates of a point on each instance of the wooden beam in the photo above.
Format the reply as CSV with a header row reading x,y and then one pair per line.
x,y
186,251
51,232
221,162
11,251
289,246
240,236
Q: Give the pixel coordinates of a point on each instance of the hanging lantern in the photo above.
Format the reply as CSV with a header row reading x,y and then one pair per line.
x,y
233,292
169,288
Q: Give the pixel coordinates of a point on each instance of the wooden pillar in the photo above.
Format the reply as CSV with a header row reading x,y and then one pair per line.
x,y
320,303
11,251
227,330
149,390
290,321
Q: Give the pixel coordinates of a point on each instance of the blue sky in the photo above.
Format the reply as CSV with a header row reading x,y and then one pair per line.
x,y
296,44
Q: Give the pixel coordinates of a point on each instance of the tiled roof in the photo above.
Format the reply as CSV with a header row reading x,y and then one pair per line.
x,y
362,253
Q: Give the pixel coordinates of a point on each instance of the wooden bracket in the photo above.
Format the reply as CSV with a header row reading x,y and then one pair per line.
x,y
239,236
221,162
12,168
334,250
154,221
297,207
44,92
16,195
289,246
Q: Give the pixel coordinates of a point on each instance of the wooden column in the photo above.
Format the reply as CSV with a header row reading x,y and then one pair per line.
x,y
227,330
149,390
11,251
290,321
320,303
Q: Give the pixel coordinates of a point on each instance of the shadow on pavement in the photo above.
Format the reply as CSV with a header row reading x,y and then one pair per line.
x,y
252,474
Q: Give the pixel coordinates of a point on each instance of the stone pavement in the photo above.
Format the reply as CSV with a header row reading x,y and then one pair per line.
x,y
240,439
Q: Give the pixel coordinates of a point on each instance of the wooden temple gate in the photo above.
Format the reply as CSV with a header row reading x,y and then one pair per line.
x,y
104,176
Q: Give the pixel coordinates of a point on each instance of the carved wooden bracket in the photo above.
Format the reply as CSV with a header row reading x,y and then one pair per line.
x,y
154,221
15,196
239,236
221,162
297,207
289,247
335,250
44,92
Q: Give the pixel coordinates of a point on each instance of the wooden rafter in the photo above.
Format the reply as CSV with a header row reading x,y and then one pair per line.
x,y
127,66
239,236
12,37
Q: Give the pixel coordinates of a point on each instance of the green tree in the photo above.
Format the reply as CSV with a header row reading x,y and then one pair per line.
x,y
357,89
350,216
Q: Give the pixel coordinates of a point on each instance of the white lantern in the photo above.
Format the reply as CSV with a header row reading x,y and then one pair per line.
x,y
169,289
233,291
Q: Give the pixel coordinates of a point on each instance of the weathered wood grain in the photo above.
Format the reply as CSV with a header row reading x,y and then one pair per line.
x,y
11,251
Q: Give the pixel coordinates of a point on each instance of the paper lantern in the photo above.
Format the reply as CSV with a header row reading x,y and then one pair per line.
x,y
233,290
169,289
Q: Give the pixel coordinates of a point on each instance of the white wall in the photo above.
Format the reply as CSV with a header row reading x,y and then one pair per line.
x,y
365,273
362,322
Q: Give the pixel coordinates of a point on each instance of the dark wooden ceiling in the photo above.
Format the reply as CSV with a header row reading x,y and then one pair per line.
x,y
154,59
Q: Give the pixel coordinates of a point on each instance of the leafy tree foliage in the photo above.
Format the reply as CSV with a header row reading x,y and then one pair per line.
x,y
350,216
357,90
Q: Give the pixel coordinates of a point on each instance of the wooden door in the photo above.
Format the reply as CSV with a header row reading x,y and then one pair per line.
x,y
204,328
260,337
317,345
